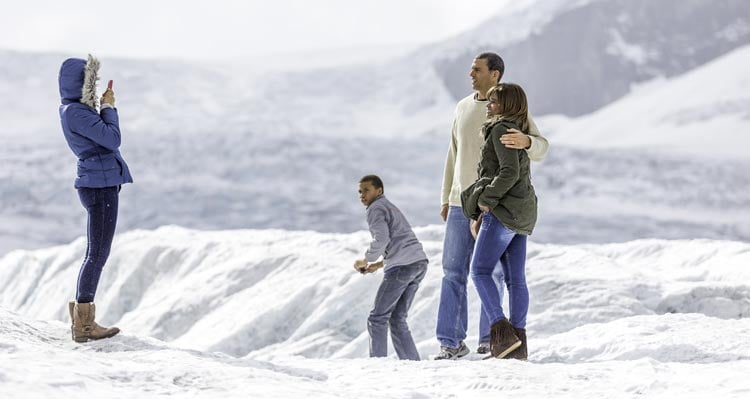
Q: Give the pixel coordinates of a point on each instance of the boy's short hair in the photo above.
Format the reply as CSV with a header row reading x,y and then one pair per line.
x,y
373,179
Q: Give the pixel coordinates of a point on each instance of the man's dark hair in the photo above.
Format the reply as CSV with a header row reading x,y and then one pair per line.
x,y
494,63
373,179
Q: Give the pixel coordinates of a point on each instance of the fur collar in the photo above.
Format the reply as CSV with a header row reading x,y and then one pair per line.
x,y
90,77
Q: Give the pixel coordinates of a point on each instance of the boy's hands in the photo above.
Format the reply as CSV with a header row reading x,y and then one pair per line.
x,y
373,267
361,266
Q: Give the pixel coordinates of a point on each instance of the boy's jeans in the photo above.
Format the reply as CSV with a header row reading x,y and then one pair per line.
x,y
452,320
495,240
392,304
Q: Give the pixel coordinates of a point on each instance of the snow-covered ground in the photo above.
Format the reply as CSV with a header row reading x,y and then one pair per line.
x,y
38,362
271,313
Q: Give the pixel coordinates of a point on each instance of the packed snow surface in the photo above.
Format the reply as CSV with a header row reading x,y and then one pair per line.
x,y
272,313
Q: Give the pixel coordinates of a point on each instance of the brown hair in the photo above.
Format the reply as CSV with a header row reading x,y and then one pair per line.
x,y
513,105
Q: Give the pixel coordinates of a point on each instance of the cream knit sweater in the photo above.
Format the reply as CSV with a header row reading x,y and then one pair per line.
x,y
465,148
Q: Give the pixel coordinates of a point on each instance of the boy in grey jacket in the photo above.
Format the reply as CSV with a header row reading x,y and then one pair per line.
x,y
394,246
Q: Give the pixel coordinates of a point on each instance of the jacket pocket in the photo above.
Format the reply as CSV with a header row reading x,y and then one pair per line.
x,y
469,201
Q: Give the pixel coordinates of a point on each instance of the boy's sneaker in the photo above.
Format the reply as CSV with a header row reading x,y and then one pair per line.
x,y
483,348
447,353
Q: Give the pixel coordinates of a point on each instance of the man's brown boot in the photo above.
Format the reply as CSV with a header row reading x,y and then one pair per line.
x,y
522,352
503,339
85,328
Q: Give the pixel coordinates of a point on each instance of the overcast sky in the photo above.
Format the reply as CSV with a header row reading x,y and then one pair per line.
x,y
231,28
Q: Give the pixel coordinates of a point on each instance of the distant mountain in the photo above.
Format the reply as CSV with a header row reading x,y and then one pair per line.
x,y
573,57
704,113
229,146
154,97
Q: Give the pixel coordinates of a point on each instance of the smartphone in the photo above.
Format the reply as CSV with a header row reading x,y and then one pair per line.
x,y
109,85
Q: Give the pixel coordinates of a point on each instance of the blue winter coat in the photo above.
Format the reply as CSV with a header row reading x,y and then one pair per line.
x,y
93,137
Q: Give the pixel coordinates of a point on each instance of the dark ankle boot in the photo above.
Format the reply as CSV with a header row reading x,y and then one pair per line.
x,y
503,339
522,352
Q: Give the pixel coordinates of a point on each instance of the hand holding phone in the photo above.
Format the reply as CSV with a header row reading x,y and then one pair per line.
x,y
109,96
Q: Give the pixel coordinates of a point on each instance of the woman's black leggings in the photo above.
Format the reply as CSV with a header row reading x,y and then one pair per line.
x,y
101,204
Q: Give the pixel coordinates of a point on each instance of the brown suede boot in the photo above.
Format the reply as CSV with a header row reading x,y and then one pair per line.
x,y
503,339
71,306
85,328
522,352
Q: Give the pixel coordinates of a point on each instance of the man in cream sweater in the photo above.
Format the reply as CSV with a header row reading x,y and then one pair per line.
x,y
460,172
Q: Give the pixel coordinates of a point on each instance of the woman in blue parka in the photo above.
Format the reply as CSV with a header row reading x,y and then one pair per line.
x,y
94,137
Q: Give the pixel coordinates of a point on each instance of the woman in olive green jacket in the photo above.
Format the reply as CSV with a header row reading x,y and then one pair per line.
x,y
502,203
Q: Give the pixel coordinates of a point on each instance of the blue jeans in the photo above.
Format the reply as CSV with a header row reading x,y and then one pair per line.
x,y
496,240
453,313
392,304
101,205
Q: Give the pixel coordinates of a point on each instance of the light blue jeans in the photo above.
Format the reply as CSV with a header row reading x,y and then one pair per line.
x,y
392,304
452,320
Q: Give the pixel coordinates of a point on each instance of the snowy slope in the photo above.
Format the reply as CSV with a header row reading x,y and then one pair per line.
x,y
164,98
37,360
288,316
251,181
275,291
154,97
704,113
573,57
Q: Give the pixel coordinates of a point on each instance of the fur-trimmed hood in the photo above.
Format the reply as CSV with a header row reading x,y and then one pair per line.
x,y
78,79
